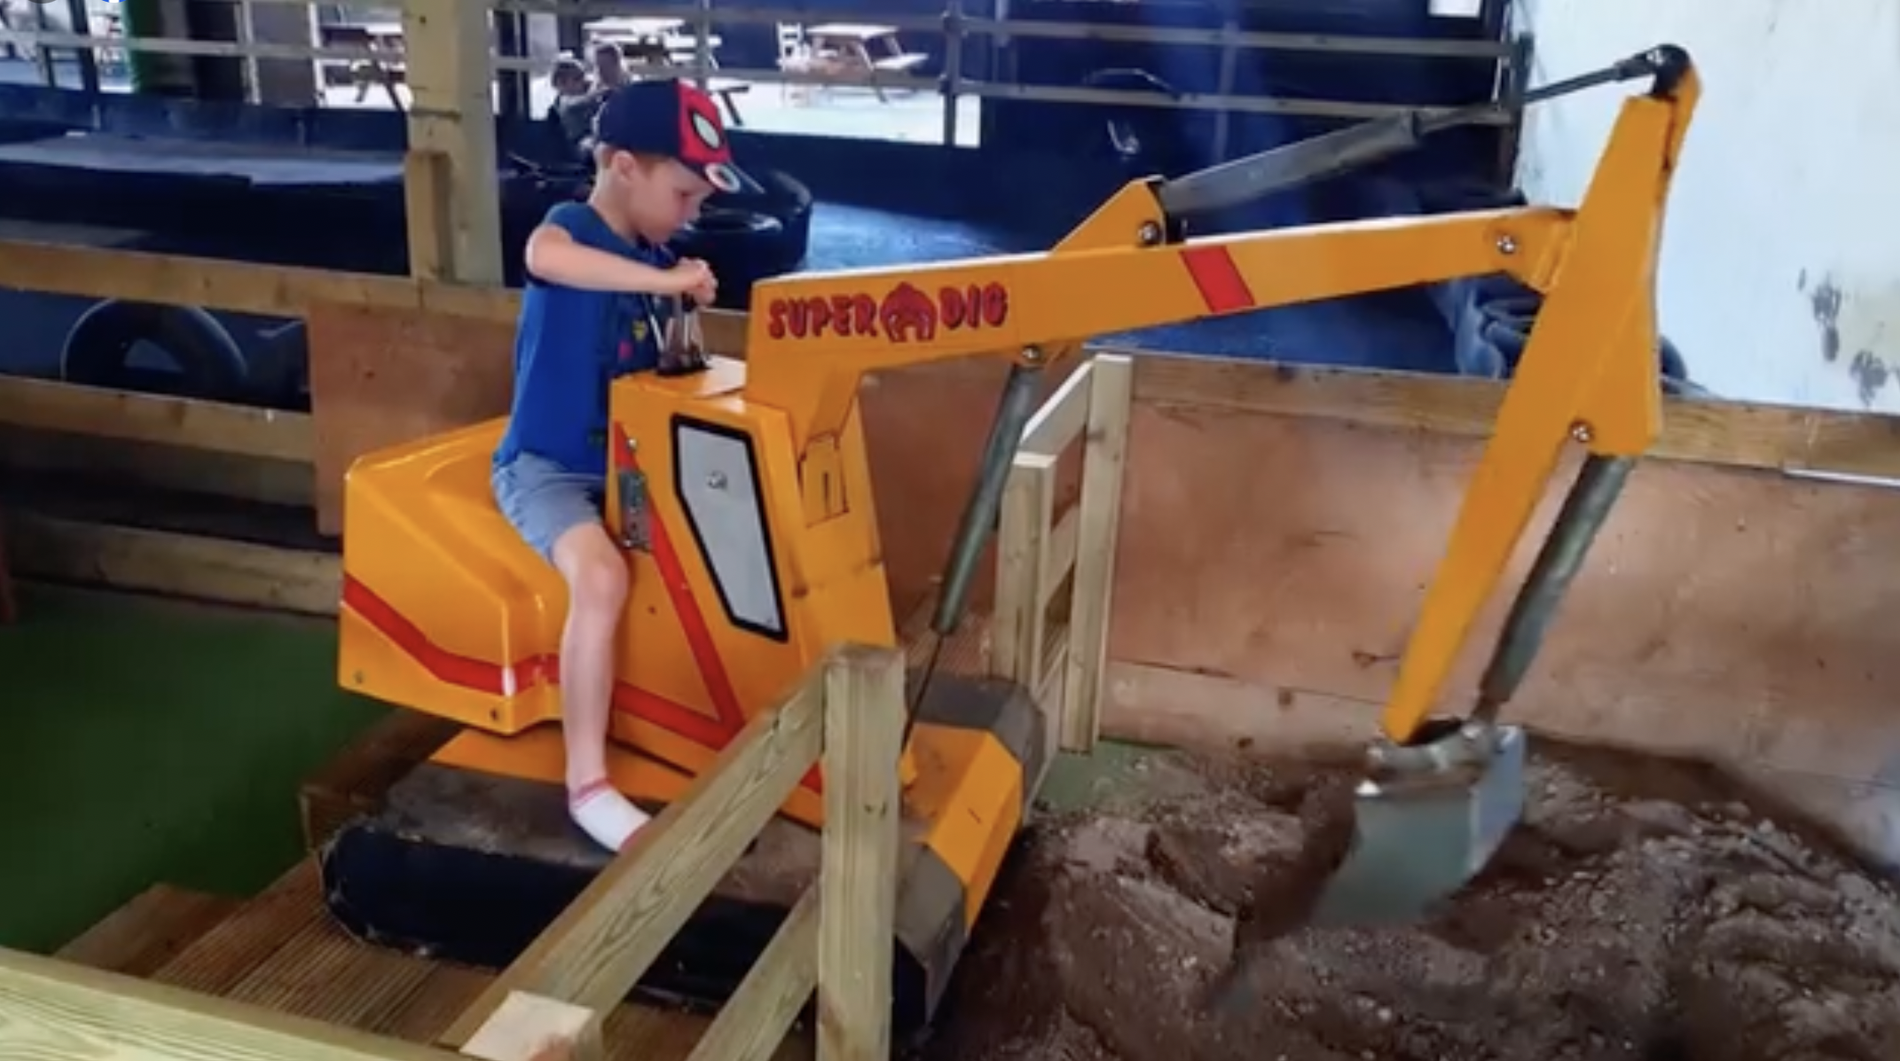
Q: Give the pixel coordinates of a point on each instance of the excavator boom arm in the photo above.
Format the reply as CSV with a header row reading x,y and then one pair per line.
x,y
812,337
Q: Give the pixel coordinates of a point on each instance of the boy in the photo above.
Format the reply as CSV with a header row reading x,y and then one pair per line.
x,y
593,268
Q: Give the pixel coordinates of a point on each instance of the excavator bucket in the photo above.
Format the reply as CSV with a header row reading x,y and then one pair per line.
x,y
1425,821
1420,835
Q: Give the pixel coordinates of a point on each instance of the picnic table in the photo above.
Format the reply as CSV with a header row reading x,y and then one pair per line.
x,y
377,36
864,48
630,30
663,42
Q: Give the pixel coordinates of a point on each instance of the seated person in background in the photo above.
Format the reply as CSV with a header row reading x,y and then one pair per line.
x,y
610,67
575,102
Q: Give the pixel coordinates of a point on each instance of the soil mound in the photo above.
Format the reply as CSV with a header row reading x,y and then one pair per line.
x,y
1643,910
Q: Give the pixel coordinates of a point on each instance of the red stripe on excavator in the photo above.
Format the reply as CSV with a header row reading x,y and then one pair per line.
x,y
699,638
712,668
1218,278
484,677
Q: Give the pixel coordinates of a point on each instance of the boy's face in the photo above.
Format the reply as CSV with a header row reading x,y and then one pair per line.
x,y
659,194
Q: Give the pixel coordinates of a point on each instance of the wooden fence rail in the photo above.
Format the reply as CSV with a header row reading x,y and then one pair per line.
x,y
1052,643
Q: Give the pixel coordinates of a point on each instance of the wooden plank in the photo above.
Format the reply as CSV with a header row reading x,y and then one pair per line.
x,y
427,192
271,290
1022,553
239,287
1064,546
54,406
52,1008
379,377
1060,417
451,117
183,565
526,1027
72,458
220,959
144,934
864,715
1711,431
320,972
753,1022
357,781
598,948
1104,455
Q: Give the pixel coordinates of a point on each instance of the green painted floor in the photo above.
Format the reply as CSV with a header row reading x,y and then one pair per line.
x,y
150,740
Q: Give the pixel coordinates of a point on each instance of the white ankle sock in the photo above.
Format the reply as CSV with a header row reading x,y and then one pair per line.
x,y
604,814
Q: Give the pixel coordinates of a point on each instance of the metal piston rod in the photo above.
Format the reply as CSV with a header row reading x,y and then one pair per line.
x,y
1594,492
1303,162
1013,410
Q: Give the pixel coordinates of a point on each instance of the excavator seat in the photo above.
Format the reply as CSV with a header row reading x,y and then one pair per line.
x,y
465,622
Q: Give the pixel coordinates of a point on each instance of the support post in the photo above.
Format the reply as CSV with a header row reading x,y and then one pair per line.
x,y
953,33
863,738
1104,457
451,114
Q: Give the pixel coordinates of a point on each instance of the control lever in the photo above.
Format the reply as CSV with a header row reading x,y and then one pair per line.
x,y
682,344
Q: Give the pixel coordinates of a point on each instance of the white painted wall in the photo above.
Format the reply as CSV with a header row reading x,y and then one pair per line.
x,y
1780,275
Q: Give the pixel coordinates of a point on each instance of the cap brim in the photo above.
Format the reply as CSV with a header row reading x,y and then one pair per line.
x,y
730,179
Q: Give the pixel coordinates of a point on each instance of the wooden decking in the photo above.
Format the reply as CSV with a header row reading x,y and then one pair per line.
x,y
281,950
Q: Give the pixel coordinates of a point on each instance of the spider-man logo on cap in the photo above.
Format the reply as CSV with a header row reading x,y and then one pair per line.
x,y
675,120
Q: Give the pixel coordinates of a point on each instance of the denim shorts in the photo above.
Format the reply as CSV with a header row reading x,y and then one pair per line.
x,y
543,500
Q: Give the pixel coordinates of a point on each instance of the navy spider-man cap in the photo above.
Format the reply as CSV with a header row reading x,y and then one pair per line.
x,y
674,120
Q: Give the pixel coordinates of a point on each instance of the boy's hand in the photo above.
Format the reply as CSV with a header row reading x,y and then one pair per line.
x,y
694,278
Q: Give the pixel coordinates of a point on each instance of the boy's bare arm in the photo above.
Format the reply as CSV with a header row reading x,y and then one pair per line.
x,y
556,257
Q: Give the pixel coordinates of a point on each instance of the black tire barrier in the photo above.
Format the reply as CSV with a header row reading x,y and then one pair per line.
x,y
744,237
280,367
786,198
743,247
98,349
748,238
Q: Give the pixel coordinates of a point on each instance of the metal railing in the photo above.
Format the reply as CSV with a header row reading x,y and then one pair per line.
x,y
954,27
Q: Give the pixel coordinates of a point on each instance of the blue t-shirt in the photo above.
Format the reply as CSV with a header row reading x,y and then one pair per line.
x,y
569,345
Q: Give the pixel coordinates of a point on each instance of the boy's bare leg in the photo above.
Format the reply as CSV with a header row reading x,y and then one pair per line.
x,y
596,576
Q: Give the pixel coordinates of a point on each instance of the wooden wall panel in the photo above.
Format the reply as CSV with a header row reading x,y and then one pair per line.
x,y
379,376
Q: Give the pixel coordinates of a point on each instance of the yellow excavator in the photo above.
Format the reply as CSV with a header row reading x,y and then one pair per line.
x,y
741,493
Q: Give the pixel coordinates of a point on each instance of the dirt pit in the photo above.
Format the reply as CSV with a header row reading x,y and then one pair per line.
x,y
1643,909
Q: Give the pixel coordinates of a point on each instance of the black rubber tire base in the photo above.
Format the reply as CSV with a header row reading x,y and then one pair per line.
x,y
471,867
